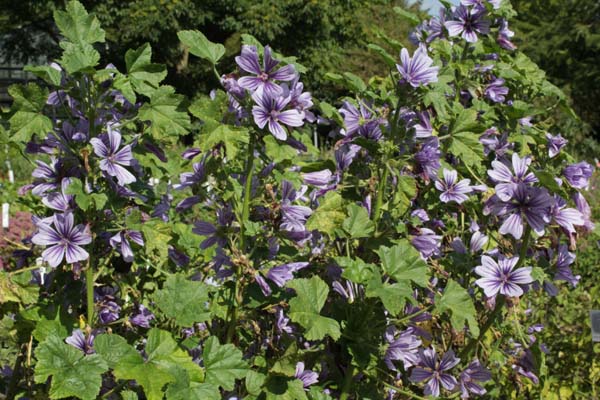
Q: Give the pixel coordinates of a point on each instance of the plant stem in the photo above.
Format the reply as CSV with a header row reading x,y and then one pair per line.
x,y
237,297
89,285
347,383
380,192
404,392
247,192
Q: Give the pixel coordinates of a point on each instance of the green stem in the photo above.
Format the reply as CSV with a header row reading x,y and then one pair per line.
x,y
247,192
89,285
237,296
404,392
347,383
380,192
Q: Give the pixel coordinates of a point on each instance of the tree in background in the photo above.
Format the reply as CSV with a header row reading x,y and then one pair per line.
x,y
322,34
563,38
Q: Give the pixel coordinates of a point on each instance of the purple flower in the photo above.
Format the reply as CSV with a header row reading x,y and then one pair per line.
x,y
501,277
563,271
428,158
283,273
108,309
401,348
506,181
264,77
65,240
478,240
283,322
583,206
83,342
567,218
496,91
475,372
48,177
360,121
525,366
269,110
113,159
480,3
262,283
578,175
120,241
429,369
468,23
504,36
427,243
300,100
529,204
318,178
417,70
555,144
293,217
60,201
187,179
215,235
142,317
349,292
307,377
451,189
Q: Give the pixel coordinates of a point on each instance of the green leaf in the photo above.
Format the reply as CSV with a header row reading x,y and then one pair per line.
x,y
144,75
355,269
184,389
77,25
157,235
45,72
466,146
45,328
166,113
282,388
387,57
328,216
231,136
223,363
17,289
183,300
407,15
112,348
358,224
393,296
129,395
79,57
355,82
200,46
28,119
305,308
278,151
403,262
406,190
466,121
254,382
457,301
164,359
73,373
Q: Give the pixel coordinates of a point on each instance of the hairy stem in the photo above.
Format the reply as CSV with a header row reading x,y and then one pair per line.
x,y
237,296
347,383
89,286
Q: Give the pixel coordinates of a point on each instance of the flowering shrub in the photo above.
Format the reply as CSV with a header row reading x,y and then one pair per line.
x,y
255,267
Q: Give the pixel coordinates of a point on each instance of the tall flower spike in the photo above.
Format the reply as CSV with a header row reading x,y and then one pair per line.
x,y
65,240
269,111
417,70
501,277
264,77
113,159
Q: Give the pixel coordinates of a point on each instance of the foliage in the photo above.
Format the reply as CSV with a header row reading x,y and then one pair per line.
x,y
400,263
564,39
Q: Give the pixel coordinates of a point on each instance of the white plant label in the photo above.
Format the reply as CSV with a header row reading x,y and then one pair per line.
x,y
595,319
11,176
5,217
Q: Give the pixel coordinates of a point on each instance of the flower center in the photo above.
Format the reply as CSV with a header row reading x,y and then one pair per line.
x,y
264,76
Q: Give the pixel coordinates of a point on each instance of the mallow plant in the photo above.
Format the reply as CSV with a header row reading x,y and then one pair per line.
x,y
395,264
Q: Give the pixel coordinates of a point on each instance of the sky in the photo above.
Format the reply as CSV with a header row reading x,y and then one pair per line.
x,y
433,5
